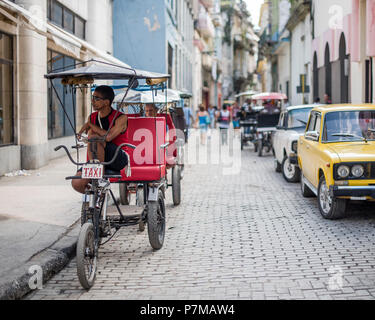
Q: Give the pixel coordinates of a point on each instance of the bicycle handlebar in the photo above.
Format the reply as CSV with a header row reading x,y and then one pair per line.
x,y
86,139
102,163
68,153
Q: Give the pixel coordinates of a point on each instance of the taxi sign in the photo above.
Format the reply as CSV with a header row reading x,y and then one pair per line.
x,y
92,171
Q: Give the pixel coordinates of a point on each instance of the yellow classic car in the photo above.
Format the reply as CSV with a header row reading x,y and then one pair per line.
x,y
337,157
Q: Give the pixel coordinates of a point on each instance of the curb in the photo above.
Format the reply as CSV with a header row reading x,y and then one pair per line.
x,y
51,260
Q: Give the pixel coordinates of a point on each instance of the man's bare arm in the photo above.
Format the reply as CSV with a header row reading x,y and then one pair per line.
x,y
85,128
120,126
97,130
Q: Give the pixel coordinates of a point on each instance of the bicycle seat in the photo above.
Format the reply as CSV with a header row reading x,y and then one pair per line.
x,y
148,161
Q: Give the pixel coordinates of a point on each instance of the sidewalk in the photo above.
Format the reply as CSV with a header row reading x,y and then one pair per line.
x,y
39,225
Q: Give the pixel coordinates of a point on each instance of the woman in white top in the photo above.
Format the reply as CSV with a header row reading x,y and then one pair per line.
x,y
224,120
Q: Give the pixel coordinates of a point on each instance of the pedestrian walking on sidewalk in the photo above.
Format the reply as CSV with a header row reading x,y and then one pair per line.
x,y
202,121
189,120
236,116
224,121
211,112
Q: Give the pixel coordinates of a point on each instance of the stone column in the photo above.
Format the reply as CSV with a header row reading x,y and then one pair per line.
x,y
32,90
99,28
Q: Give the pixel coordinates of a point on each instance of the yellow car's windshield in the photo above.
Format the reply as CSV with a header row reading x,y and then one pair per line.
x,y
349,126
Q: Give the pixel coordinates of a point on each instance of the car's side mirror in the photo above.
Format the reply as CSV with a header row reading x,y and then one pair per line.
x,y
313,136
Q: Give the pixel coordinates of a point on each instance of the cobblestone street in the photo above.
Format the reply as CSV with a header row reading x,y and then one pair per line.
x,y
246,236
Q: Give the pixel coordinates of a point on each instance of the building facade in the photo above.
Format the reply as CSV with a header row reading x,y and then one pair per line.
x,y
208,53
156,36
265,60
37,36
240,50
299,27
331,51
205,37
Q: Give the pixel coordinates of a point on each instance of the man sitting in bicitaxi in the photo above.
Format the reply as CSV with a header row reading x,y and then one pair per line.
x,y
97,126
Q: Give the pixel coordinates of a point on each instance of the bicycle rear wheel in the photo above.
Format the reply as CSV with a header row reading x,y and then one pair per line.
x,y
176,185
156,222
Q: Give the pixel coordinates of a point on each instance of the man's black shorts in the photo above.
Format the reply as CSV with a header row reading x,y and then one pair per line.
x,y
121,161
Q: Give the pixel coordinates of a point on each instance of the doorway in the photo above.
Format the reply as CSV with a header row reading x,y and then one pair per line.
x,y
369,81
344,70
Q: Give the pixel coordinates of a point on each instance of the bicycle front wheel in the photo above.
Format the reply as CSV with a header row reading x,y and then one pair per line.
x,y
87,257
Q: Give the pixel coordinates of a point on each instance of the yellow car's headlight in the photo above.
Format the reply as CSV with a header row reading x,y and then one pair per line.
x,y
343,172
358,171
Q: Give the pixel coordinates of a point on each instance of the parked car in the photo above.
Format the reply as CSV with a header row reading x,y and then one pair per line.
x,y
292,125
337,157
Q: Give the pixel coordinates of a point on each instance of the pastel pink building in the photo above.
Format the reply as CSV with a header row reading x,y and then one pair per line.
x,y
344,53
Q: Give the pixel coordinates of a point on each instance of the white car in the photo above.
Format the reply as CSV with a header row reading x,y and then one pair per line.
x,y
292,125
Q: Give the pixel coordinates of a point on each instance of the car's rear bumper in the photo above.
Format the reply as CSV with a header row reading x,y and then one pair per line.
x,y
350,191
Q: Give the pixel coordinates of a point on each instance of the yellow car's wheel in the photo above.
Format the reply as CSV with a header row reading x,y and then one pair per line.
x,y
330,208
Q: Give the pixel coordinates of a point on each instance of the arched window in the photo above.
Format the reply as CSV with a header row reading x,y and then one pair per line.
x,y
328,68
316,77
344,70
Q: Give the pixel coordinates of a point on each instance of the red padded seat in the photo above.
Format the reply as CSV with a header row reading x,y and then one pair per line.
x,y
148,160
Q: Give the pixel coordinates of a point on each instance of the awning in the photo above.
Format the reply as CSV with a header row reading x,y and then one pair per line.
x,y
64,35
184,94
269,96
98,70
34,18
145,97
247,93
63,40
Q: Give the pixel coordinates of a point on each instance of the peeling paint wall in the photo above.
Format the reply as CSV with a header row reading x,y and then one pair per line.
x,y
143,31
139,34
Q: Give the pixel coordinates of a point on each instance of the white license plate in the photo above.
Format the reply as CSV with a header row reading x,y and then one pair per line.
x,y
92,171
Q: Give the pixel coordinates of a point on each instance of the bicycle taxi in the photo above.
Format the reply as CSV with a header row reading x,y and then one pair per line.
x,y
248,118
267,119
143,135
166,103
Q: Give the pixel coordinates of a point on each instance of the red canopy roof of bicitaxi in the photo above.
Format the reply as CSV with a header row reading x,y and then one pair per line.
x,y
269,96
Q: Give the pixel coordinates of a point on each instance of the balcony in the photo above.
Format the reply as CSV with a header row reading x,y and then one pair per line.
x,y
208,3
296,3
207,62
199,44
298,11
205,25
